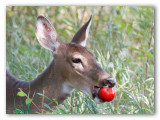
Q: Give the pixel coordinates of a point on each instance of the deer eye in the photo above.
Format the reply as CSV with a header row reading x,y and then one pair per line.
x,y
76,60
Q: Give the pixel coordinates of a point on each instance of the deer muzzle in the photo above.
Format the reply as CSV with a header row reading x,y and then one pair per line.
x,y
109,82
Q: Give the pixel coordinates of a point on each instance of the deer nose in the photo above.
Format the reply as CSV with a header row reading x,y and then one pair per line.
x,y
110,82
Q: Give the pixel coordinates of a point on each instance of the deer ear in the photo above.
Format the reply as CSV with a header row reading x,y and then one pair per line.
x,y
46,34
81,36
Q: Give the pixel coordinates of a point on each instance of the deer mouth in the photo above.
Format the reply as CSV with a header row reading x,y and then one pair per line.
x,y
95,95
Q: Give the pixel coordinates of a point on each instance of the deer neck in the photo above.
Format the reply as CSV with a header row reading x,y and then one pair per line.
x,y
52,83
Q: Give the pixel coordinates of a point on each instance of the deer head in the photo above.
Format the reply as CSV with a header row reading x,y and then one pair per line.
x,y
76,66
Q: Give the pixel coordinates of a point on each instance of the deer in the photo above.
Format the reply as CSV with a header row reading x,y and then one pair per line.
x,y
73,67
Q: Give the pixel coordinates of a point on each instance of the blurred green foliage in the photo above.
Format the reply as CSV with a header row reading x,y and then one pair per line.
x,y
122,37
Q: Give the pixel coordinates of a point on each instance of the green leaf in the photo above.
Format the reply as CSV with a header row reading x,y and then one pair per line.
x,y
149,54
136,49
29,29
67,21
21,94
32,34
28,101
44,96
129,27
55,101
55,112
47,106
144,52
17,111
11,13
62,111
123,24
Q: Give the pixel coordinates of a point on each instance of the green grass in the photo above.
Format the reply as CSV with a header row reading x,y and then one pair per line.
x,y
121,37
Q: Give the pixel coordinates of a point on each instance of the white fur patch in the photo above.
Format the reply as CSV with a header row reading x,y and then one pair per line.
x,y
83,43
55,45
66,88
97,100
86,91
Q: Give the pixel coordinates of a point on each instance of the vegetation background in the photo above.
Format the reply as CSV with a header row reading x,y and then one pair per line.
x,y
122,37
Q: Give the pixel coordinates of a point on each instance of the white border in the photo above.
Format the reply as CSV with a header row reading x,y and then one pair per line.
x,y
5,3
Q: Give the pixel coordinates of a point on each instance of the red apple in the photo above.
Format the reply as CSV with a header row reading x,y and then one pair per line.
x,y
106,94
